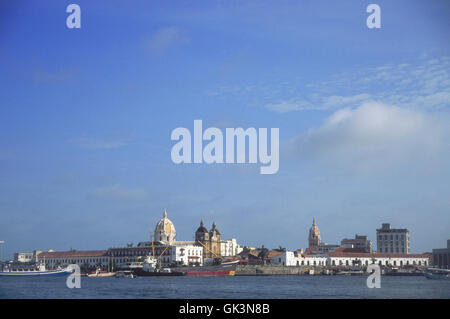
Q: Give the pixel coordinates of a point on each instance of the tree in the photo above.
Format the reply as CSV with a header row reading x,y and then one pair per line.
x,y
263,254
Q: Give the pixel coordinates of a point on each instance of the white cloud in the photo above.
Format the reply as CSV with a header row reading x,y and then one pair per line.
x,y
118,192
422,84
377,136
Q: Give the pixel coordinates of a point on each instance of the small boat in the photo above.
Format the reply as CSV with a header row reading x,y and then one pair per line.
x,y
125,274
403,272
29,271
436,273
100,273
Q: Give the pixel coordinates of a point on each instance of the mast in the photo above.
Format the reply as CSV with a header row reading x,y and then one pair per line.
x,y
153,248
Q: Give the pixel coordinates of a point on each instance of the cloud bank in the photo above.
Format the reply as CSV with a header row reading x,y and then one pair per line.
x,y
377,136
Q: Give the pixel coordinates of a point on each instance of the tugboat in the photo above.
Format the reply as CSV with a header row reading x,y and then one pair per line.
x,y
151,267
28,271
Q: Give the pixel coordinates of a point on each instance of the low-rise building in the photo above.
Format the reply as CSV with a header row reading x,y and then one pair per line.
x,y
230,248
441,257
344,258
23,257
83,258
359,242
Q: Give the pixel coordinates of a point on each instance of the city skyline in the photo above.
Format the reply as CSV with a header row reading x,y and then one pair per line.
x,y
87,115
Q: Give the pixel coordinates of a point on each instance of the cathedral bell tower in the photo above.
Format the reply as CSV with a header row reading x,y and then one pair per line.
x,y
314,236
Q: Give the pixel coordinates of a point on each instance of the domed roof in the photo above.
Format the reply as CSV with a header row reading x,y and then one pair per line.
x,y
214,229
202,228
165,230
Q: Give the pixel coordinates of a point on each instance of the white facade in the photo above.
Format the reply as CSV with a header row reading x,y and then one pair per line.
x,y
23,257
183,255
290,258
92,259
230,248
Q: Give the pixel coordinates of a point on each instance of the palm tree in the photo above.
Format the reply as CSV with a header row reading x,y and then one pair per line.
x,y
263,254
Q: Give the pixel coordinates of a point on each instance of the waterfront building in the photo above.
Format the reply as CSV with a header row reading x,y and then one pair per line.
x,y
295,258
392,241
23,257
341,257
27,257
85,258
359,242
314,236
441,257
230,248
178,253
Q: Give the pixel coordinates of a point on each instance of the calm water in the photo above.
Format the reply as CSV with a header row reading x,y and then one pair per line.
x,y
226,287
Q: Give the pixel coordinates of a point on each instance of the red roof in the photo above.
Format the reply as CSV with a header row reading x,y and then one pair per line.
x,y
73,254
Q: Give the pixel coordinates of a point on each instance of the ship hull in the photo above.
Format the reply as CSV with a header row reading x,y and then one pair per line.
x,y
436,276
35,273
226,269
143,273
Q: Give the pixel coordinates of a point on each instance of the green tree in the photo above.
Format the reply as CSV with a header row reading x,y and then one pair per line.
x,y
263,254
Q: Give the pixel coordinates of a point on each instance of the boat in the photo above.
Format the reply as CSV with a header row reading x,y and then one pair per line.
x,y
100,273
33,270
404,272
151,267
125,274
436,273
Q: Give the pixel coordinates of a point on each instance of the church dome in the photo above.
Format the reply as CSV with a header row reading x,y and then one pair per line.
x,y
165,230
202,228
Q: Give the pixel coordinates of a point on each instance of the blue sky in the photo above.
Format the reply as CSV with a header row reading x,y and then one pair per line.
x,y
86,116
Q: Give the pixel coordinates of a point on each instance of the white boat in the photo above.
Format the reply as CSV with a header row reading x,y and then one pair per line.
x,y
436,273
99,273
24,271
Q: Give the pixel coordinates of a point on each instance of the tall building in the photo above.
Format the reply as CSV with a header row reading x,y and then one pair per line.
x,y
314,236
209,240
392,240
359,242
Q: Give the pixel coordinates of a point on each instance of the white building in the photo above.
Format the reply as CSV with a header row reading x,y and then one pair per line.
x,y
230,248
23,257
89,258
294,258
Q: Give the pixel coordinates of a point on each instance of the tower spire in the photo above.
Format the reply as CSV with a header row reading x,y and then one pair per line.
x,y
165,213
